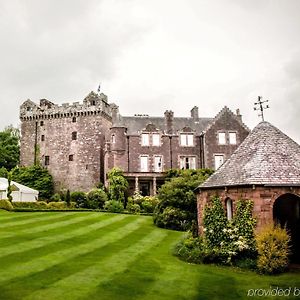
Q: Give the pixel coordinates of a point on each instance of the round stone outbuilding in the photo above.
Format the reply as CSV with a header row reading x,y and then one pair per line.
x,y
266,169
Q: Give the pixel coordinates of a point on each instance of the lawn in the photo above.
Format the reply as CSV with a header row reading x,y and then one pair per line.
x,y
89,255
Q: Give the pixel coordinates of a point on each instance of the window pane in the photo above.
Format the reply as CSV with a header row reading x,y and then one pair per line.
x,y
182,162
229,209
144,163
222,138
183,140
190,140
145,139
192,162
232,138
155,139
219,159
157,164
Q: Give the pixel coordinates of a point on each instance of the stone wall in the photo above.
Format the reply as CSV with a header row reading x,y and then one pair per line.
x,y
263,198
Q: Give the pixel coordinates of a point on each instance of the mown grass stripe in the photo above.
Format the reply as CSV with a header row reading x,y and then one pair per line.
x,y
41,228
46,240
16,215
59,256
82,283
33,220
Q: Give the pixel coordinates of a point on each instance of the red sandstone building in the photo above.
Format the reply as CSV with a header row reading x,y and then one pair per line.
x,y
266,169
80,142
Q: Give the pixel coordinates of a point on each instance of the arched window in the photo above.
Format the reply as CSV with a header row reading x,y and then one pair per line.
x,y
113,138
74,119
229,209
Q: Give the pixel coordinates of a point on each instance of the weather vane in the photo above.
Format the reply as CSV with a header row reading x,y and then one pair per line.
x,y
259,105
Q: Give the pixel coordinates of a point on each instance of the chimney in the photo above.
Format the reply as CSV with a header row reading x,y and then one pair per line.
x,y
195,113
238,114
169,118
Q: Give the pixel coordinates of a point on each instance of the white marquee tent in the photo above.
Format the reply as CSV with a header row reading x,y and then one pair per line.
x,y
19,193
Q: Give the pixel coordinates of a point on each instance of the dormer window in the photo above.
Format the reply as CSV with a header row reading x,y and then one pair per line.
x,y
93,102
29,108
187,139
232,138
155,139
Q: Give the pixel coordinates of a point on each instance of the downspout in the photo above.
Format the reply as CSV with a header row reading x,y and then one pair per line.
x,y
202,150
128,154
35,144
171,152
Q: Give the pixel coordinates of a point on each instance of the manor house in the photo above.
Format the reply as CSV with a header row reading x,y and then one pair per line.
x,y
80,142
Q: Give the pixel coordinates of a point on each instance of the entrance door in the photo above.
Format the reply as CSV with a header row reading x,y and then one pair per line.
x,y
145,188
286,212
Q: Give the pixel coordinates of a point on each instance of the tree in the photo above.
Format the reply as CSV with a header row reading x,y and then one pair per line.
x,y
35,177
177,207
9,188
9,147
117,185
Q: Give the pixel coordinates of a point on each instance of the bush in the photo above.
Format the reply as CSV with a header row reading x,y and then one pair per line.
x,y
117,185
80,198
149,203
57,205
133,208
177,207
6,204
273,249
31,205
113,206
96,198
56,197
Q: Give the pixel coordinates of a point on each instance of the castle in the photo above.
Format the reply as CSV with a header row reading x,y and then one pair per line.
x,y
80,143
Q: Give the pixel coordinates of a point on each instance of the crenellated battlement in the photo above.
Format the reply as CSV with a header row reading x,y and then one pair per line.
x,y
93,104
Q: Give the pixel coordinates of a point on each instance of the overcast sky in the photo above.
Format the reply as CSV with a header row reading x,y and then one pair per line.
x,y
154,55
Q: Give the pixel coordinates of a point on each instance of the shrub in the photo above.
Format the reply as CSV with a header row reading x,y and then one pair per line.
x,y
149,203
31,205
56,205
6,204
68,198
273,249
133,208
177,197
56,197
117,185
96,198
80,198
113,206
3,172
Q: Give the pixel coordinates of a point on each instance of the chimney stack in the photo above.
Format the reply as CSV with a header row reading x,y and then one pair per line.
x,y
238,114
169,118
195,113
115,113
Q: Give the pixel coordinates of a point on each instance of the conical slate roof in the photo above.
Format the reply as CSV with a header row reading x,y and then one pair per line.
x,y
266,157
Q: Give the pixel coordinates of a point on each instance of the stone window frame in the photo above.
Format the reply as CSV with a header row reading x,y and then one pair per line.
x,y
74,120
143,144
186,134
185,157
71,157
159,139
231,132
113,138
219,137
41,123
74,135
220,155
161,163
42,137
147,165
47,160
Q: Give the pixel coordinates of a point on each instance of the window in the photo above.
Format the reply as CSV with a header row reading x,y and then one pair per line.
x,y
71,157
145,139
187,162
42,137
113,139
232,138
229,209
74,119
74,135
42,123
186,139
155,139
144,163
93,102
219,160
47,160
158,163
29,109
222,138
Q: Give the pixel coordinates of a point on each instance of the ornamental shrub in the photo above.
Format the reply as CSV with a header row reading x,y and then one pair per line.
x,y
56,197
113,206
149,203
31,205
80,198
96,198
6,204
273,249
117,185
133,208
177,197
57,205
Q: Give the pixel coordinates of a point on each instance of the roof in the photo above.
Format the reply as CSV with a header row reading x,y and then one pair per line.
x,y
17,186
138,123
266,157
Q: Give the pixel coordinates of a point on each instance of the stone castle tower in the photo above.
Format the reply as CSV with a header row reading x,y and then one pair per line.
x,y
69,139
